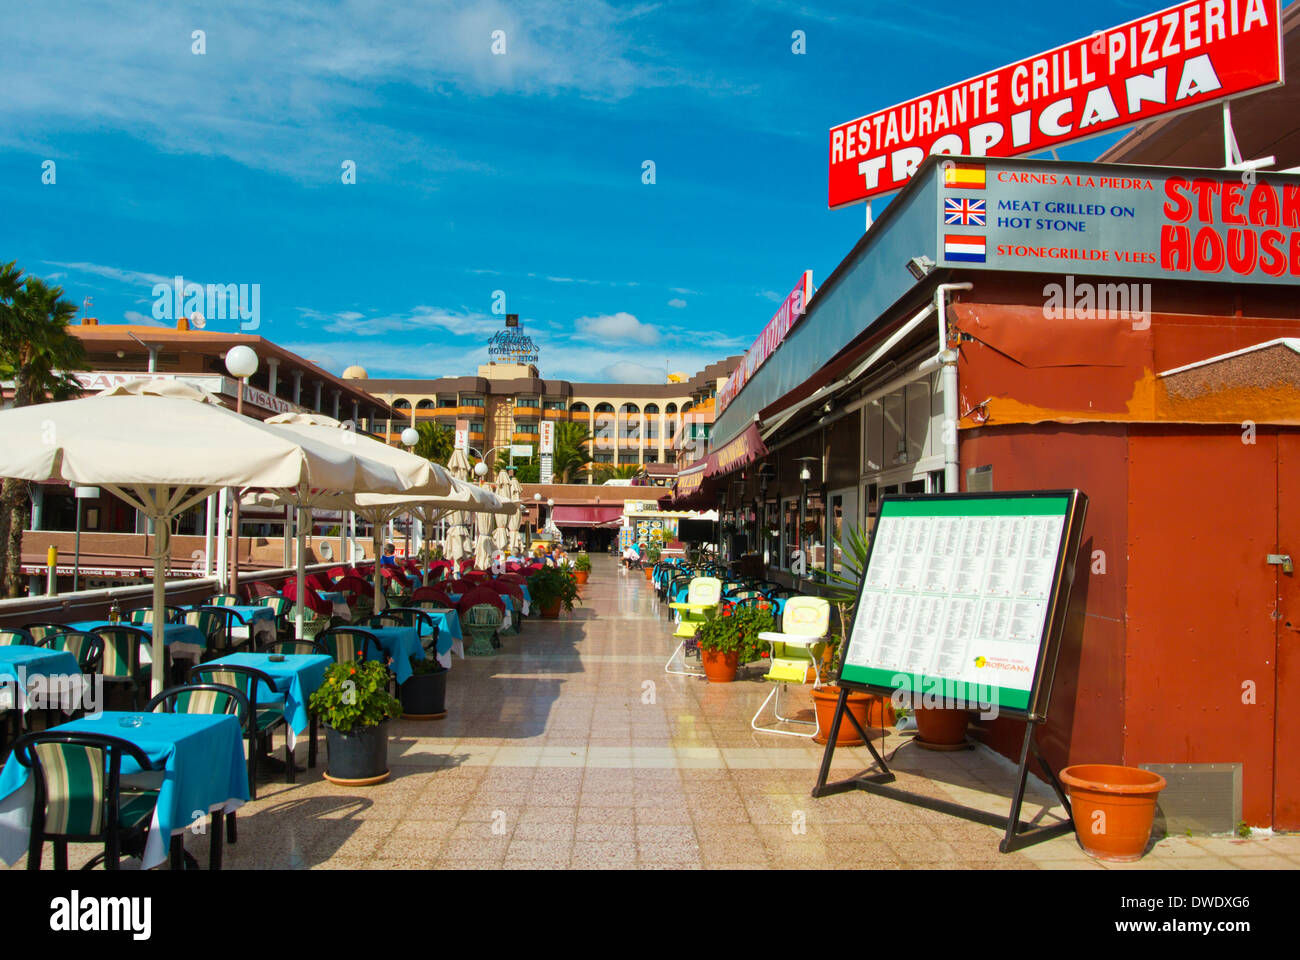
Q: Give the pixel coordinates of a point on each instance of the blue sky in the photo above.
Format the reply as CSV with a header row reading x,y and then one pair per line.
x,y
475,172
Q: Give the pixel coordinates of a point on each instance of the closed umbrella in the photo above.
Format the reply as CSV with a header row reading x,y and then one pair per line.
x,y
163,447
459,544
501,521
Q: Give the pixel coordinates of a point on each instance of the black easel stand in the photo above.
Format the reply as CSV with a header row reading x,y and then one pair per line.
x,y
876,779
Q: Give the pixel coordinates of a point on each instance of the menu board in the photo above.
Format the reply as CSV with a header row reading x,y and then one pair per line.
x,y
958,594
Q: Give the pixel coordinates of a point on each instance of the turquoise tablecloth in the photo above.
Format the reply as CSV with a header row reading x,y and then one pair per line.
x,y
296,678
20,663
204,770
399,644
183,634
260,620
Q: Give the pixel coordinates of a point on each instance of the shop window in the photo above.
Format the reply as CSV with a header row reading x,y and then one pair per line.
x,y
789,531
873,437
917,396
895,431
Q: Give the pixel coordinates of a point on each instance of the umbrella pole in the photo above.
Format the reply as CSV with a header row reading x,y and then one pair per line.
x,y
297,627
379,579
158,669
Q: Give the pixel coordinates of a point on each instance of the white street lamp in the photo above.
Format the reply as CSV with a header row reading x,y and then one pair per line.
x,y
241,363
410,436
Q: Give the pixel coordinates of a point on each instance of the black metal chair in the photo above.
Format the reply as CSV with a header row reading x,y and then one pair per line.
x,y
409,617
217,625
211,698
78,796
347,644
262,718
291,647
40,629
87,647
14,636
120,662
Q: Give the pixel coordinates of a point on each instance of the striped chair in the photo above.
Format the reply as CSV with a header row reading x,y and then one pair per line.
x,y
214,623
280,607
143,617
120,663
210,698
263,717
41,630
224,600
78,798
86,647
482,621
294,648
10,636
348,644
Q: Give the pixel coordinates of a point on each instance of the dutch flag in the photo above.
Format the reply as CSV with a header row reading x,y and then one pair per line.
x,y
965,248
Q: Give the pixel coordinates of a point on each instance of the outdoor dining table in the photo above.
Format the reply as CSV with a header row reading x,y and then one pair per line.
x,y
450,638
506,599
400,644
296,676
260,620
19,663
184,641
204,771
340,601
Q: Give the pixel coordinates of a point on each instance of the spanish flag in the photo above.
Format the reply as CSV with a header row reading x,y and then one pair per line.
x,y
964,176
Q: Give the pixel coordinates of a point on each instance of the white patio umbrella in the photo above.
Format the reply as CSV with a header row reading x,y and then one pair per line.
x,y
418,477
513,492
163,446
459,545
501,521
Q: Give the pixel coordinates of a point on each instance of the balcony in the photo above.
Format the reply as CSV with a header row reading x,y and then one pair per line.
x,y
528,412
554,414
527,437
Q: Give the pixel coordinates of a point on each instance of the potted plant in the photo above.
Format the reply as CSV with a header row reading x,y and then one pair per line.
x,y
424,694
727,642
552,586
868,709
1113,808
354,703
939,728
582,567
652,555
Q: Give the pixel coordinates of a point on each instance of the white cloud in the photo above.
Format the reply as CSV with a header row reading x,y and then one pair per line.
x,y
770,295
460,323
677,302
620,327
292,87
134,278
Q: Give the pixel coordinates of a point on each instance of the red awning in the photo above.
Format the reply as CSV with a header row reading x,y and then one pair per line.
x,y
587,516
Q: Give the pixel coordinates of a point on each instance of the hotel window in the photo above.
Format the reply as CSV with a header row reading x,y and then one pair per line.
x,y
652,456
471,401
581,408
652,421
423,405
554,405
603,458
476,426
525,401
526,426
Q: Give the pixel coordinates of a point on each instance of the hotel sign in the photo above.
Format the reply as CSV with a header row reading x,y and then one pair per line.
x,y
1178,59
213,384
787,315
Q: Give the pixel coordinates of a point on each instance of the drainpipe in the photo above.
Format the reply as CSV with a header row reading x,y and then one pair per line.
x,y
951,475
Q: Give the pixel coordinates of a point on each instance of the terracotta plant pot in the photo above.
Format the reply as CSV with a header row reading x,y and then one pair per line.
x,y
581,575
870,711
720,667
941,728
1114,808
649,572
551,611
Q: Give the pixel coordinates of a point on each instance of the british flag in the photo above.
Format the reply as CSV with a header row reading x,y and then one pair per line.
x,y
965,212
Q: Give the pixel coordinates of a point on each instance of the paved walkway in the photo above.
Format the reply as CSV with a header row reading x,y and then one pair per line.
x,y
573,748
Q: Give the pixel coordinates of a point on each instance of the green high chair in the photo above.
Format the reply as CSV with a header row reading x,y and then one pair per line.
x,y
798,646
702,598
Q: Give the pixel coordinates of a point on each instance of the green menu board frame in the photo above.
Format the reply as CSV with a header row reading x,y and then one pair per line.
x,y
974,550
975,582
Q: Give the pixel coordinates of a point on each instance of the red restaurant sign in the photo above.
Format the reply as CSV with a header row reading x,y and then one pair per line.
x,y
1178,59
792,308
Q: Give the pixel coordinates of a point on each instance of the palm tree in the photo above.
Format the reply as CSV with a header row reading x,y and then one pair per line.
x,y
570,454
626,471
436,442
37,348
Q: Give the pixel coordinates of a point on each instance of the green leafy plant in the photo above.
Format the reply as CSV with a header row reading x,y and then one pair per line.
x,y
654,553
355,695
842,588
737,633
583,562
553,583
1243,829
